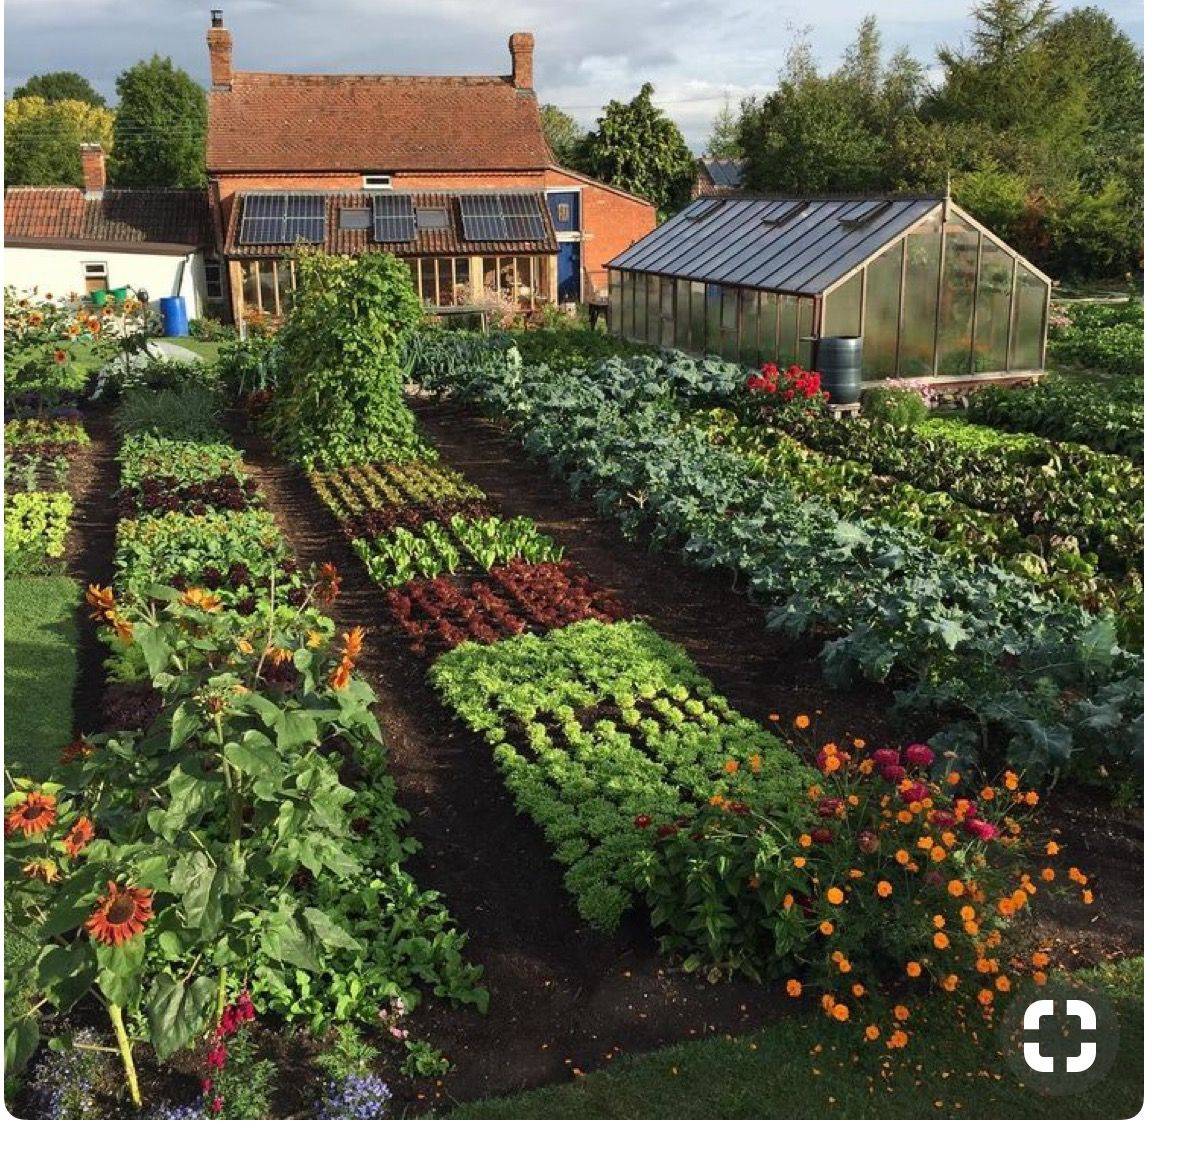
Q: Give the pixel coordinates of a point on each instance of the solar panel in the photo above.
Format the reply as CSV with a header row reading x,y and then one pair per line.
x,y
282,218
502,217
394,218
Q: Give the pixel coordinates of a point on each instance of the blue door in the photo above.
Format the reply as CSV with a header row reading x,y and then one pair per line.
x,y
565,208
568,272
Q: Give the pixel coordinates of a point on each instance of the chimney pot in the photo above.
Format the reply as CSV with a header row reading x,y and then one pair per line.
x,y
522,45
94,170
218,40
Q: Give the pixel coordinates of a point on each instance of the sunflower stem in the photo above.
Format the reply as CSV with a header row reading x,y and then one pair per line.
x,y
125,1049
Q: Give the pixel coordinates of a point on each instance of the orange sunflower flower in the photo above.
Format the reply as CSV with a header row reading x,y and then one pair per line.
x,y
43,868
81,833
76,750
33,815
121,915
201,599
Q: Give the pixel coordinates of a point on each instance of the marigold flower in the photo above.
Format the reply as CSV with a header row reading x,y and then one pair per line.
x,y
872,1033
1010,780
827,928
42,868
858,989
1002,983
788,901
1087,896
914,969
81,833
802,722
1030,799
31,816
950,983
901,1013
897,1040
835,896
1040,960
985,996
1052,848
885,888
940,940
121,915
1048,874
731,766
794,988
1039,977
799,861
840,1012
956,888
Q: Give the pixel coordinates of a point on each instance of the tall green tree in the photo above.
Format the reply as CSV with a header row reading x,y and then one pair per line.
x,y
637,147
41,139
160,127
563,133
723,135
60,86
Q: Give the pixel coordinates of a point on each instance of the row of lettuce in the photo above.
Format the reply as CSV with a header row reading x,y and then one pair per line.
x,y
751,851
985,576
231,842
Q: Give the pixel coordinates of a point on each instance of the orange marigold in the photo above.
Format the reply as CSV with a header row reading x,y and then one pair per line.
x,y
794,988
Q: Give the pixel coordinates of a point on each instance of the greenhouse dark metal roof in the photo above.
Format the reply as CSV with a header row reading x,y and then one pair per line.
x,y
784,244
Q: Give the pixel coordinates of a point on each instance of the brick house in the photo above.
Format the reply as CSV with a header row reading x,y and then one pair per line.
x,y
451,173
65,240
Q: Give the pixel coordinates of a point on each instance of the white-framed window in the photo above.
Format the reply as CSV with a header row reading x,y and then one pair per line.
x,y
94,276
212,267
377,181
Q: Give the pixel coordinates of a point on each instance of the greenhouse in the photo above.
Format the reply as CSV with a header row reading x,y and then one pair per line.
x,y
932,293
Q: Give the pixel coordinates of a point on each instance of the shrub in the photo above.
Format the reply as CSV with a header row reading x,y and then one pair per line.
x,y
900,407
1102,336
340,398
211,330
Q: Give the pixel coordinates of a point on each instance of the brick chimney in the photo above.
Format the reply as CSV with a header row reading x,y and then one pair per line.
x,y
521,44
94,170
218,40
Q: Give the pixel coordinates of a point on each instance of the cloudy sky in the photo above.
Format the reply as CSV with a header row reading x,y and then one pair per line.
x,y
696,52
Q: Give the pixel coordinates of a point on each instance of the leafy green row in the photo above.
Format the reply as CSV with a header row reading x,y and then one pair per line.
x,y
607,734
1102,335
967,640
1105,416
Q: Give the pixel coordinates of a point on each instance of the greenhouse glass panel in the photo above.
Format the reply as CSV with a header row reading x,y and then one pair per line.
x,y
768,327
653,309
696,320
842,309
640,311
683,308
956,298
748,340
730,307
615,301
667,311
921,288
1030,321
993,309
788,334
807,335
883,283
713,296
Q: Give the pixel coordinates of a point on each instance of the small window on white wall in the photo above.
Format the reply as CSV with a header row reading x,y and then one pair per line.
x,y
377,181
214,279
94,274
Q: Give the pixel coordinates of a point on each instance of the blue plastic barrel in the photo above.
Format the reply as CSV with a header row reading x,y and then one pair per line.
x,y
173,319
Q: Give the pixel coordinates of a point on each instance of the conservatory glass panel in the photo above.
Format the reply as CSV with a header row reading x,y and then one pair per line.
x,y
921,287
956,298
653,309
615,287
768,328
268,301
883,283
1030,321
842,309
993,309
788,351
748,342
696,320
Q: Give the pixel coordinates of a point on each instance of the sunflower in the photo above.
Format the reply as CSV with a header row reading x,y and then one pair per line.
x,y
81,833
43,868
34,814
76,750
121,915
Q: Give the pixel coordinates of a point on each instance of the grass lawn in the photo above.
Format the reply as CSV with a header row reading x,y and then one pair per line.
x,y
40,646
206,350
807,1067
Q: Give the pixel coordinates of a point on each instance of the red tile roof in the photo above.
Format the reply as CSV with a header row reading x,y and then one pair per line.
x,y
139,217
427,242
281,122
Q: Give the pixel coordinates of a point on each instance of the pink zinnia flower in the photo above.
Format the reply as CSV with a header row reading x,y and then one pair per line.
x,y
892,773
885,756
981,829
920,755
913,792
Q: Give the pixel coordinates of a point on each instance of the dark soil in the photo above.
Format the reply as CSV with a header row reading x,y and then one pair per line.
x,y
90,547
565,999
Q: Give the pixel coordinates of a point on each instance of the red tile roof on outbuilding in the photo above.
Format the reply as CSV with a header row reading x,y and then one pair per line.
x,y
426,243
286,122
143,218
